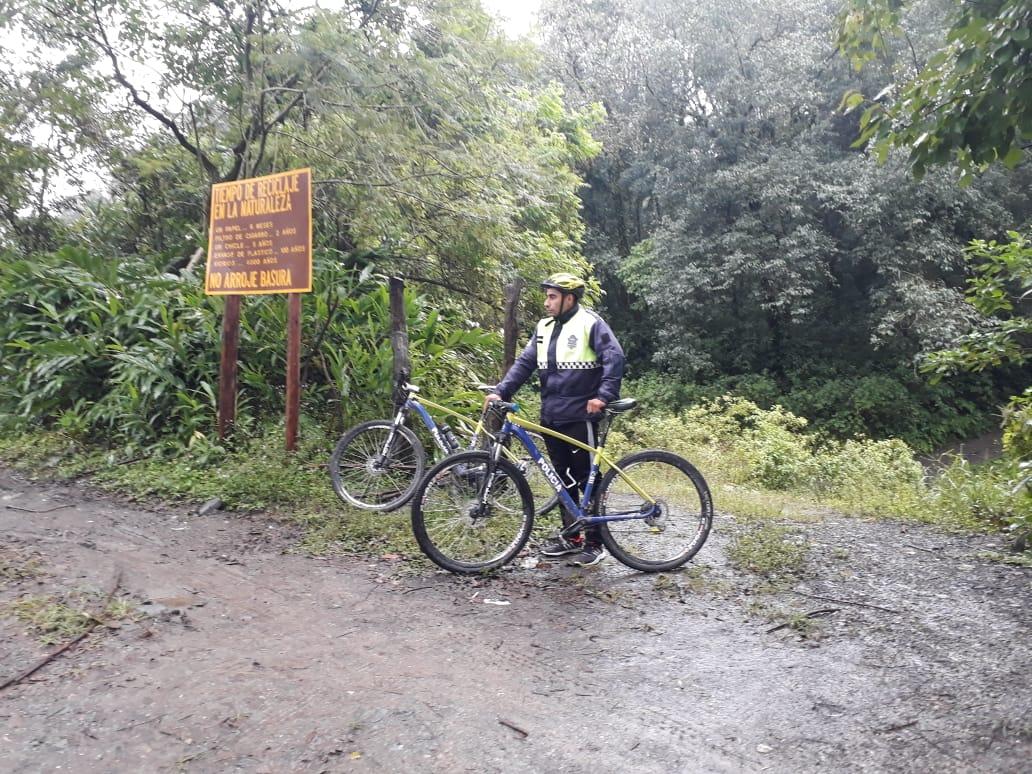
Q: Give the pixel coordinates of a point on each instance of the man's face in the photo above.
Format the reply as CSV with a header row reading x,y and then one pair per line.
x,y
556,303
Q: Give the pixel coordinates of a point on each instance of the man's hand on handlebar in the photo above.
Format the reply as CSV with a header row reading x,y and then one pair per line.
x,y
596,405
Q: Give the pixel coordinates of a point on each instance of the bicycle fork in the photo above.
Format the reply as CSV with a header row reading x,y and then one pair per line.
x,y
491,477
387,451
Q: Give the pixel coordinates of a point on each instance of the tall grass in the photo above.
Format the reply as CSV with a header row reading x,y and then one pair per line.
x,y
761,465
112,350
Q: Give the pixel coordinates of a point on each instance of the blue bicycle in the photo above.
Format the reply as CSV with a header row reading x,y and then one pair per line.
x,y
474,511
377,465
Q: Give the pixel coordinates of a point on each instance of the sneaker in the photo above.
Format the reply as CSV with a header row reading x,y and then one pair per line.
x,y
589,557
560,546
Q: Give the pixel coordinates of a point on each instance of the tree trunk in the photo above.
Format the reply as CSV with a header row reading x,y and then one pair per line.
x,y
511,327
399,330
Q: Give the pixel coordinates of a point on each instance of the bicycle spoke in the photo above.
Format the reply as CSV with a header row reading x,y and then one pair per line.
x,y
683,518
363,477
456,530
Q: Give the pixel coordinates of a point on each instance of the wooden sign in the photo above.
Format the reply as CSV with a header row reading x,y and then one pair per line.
x,y
260,240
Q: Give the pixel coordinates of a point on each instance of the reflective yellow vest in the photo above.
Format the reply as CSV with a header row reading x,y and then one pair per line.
x,y
572,351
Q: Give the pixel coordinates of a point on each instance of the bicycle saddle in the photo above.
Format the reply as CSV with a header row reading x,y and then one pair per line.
x,y
620,406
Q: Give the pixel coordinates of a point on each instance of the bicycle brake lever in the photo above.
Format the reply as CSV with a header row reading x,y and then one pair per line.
x,y
502,408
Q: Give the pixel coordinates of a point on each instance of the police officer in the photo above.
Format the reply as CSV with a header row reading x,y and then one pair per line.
x,y
580,364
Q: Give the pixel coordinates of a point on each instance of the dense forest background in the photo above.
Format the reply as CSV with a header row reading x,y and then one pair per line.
x,y
746,244
696,161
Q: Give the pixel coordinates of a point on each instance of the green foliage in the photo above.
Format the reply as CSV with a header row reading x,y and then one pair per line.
x,y
114,348
1017,443
117,352
868,477
1001,291
431,136
256,473
983,494
736,231
896,404
969,103
1017,423
60,619
765,463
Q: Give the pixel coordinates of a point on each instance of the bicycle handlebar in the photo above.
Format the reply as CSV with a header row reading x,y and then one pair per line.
x,y
501,407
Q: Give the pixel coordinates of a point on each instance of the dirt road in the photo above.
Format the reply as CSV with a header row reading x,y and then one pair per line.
x,y
252,657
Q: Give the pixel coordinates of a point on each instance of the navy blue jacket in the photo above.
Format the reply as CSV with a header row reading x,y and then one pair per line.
x,y
578,358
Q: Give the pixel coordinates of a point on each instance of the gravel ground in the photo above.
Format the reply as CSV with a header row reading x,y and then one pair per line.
x,y
901,648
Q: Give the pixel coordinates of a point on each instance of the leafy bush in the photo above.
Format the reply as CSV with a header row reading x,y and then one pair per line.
x,y
982,494
1017,443
749,444
867,477
892,404
738,445
120,353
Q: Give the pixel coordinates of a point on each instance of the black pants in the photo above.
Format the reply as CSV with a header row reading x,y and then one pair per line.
x,y
573,465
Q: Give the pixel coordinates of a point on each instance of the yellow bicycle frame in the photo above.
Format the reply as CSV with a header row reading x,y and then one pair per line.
x,y
598,453
467,424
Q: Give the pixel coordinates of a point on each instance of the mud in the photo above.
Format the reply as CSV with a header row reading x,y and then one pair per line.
x,y
910,652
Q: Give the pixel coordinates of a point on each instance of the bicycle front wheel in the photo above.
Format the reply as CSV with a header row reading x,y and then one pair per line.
x,y
681,525
459,533
362,476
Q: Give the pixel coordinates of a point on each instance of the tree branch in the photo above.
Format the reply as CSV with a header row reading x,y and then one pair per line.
x,y
144,104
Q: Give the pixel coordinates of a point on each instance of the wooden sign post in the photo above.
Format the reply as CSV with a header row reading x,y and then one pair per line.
x,y
260,242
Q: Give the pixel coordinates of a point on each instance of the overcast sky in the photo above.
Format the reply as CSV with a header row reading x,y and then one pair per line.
x,y
517,15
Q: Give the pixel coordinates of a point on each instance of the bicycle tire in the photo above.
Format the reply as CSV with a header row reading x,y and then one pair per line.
x,y
356,479
687,515
448,529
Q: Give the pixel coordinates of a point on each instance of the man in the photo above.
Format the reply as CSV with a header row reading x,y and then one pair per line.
x,y
580,364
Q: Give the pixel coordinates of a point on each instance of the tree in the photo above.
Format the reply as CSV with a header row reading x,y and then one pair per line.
x,y
1001,291
969,103
432,144
770,240
970,106
739,235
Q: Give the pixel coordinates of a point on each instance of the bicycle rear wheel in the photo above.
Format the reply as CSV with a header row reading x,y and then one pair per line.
x,y
365,479
675,535
451,526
